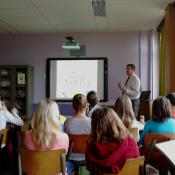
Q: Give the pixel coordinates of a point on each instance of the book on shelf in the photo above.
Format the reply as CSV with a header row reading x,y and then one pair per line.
x,y
4,72
5,83
20,93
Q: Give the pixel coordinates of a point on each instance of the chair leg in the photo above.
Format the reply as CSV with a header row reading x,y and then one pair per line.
x,y
76,169
144,169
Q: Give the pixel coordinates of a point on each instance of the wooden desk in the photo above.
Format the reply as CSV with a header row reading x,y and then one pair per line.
x,y
168,150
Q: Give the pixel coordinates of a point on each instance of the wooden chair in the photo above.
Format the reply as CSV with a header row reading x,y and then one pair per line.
x,y
42,162
77,149
134,133
152,137
150,140
132,166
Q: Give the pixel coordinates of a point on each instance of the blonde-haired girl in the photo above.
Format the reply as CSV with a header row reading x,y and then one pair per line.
x,y
123,107
46,133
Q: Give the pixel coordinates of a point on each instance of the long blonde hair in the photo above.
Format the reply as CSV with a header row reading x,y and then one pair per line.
x,y
45,123
107,126
123,108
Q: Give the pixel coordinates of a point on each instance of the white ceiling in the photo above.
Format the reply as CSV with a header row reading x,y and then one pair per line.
x,y
55,16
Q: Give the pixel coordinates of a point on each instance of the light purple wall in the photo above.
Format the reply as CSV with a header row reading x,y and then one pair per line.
x,y
121,48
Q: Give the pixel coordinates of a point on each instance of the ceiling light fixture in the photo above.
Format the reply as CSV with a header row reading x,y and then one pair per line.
x,y
71,44
99,7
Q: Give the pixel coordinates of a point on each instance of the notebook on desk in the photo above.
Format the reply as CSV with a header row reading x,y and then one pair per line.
x,y
168,150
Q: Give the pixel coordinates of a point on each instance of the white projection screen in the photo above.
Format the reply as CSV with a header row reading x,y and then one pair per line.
x,y
66,77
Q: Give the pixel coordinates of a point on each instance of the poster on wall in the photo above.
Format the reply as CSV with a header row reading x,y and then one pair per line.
x,y
21,78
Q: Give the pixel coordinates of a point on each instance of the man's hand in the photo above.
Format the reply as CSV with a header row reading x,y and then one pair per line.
x,y
14,110
122,87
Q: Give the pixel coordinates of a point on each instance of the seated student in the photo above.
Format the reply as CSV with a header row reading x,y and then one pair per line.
x,y
111,144
93,100
171,97
123,107
6,116
161,122
46,133
79,123
8,155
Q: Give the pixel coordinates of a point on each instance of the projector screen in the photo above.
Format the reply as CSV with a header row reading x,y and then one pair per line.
x,y
66,77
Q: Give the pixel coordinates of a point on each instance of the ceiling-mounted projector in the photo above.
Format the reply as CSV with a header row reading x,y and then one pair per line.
x,y
70,44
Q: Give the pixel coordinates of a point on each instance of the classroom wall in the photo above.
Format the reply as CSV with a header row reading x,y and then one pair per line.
x,y
121,48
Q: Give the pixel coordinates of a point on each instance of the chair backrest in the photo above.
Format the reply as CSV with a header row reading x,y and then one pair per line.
x,y
78,143
131,167
134,133
43,162
150,137
3,137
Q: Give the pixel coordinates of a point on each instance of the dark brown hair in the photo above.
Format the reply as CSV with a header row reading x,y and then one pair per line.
x,y
92,98
79,102
171,97
107,126
131,65
161,109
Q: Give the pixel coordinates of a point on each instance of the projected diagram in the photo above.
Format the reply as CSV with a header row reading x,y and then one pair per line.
x,y
76,77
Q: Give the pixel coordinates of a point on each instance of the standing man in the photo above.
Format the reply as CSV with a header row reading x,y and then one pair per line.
x,y
131,87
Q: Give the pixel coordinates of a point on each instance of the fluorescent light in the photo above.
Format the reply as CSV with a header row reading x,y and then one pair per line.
x,y
99,7
71,46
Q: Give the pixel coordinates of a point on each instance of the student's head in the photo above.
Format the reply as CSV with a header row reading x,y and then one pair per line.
x,y
79,103
161,109
171,97
92,98
45,122
123,108
107,126
130,69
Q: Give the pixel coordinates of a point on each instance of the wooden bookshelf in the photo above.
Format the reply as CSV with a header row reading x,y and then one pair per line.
x,y
16,87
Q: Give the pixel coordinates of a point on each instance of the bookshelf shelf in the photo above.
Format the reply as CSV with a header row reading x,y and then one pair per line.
x,y
16,87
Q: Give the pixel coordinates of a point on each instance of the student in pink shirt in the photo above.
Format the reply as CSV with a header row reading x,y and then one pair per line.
x,y
46,133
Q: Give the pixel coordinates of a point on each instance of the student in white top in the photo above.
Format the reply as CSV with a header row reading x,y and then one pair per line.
x,y
93,100
10,117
